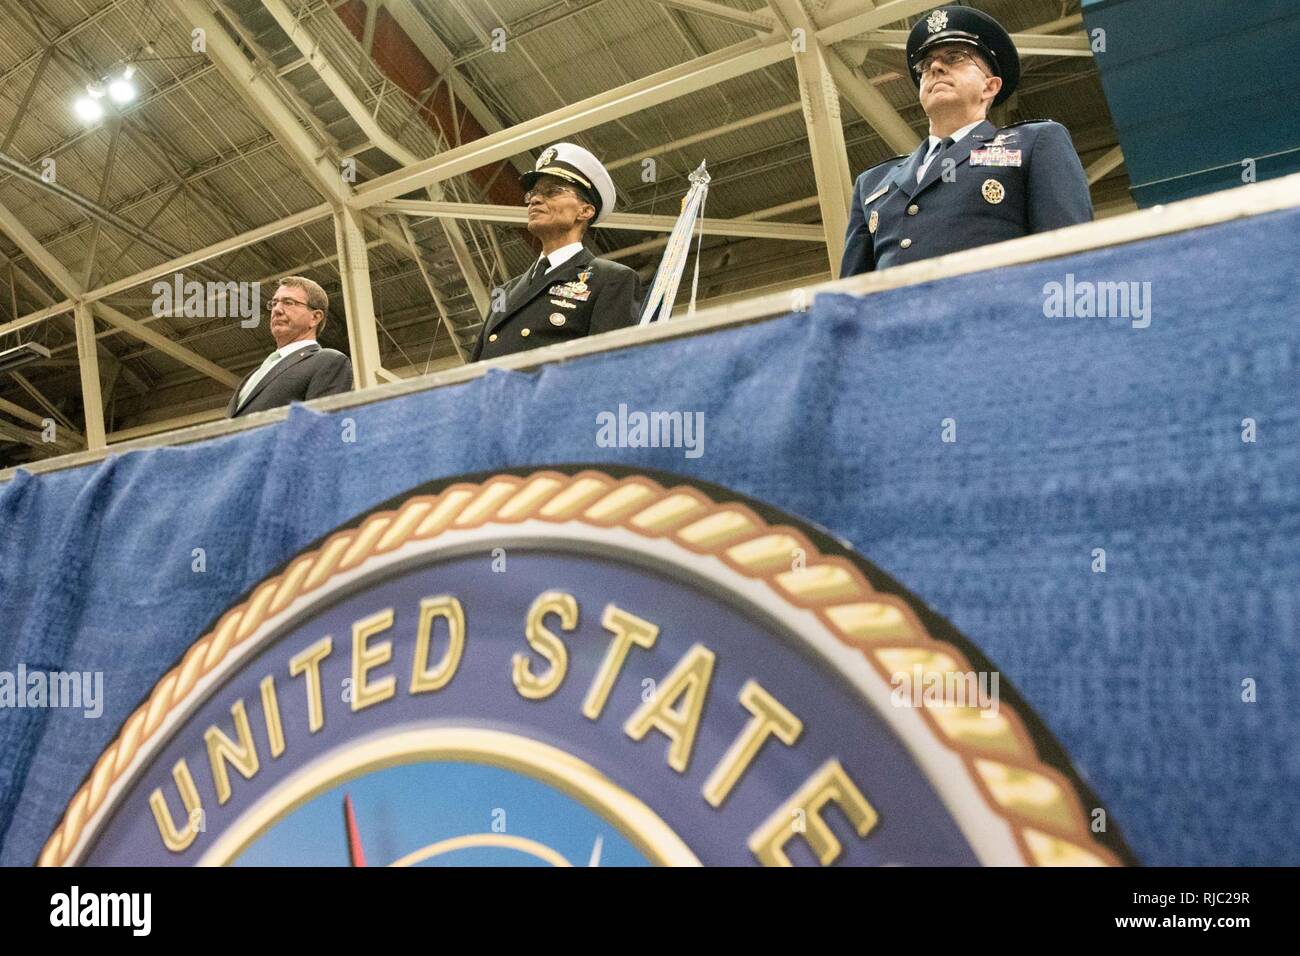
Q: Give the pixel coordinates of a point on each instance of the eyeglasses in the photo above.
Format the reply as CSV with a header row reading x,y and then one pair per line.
x,y
549,191
951,59
286,302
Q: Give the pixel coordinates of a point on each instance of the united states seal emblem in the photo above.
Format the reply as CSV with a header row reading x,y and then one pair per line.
x,y
581,666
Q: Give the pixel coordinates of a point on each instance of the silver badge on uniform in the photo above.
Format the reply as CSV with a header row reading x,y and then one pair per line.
x,y
874,223
557,319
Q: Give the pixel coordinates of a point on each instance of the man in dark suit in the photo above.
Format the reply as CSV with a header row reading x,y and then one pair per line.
x,y
568,293
970,184
299,368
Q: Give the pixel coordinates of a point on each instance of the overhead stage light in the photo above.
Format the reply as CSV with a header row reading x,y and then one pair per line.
x,y
121,90
88,110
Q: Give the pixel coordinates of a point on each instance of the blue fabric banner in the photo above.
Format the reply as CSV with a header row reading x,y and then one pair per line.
x,y
976,449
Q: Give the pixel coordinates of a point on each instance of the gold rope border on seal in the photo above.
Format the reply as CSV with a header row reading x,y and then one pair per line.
x,y
1036,801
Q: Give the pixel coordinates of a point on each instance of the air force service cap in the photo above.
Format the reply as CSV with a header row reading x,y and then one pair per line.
x,y
964,25
578,166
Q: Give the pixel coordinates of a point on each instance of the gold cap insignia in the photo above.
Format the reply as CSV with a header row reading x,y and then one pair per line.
x,y
874,223
994,191
937,21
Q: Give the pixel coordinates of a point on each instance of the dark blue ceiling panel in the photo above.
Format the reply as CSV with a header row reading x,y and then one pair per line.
x,y
1198,87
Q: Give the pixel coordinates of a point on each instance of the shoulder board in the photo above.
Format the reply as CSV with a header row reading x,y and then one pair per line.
x,y
1028,122
887,162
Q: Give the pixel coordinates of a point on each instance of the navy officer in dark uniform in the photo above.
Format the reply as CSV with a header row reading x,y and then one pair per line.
x,y
567,293
970,184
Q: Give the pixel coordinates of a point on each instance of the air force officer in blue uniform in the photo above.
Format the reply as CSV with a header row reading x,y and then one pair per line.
x,y
970,183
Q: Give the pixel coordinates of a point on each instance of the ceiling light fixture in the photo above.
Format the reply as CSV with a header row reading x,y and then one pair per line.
x,y
88,110
121,90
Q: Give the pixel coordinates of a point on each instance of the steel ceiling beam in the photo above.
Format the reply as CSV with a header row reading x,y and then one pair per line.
x,y
70,286
37,317
41,257
311,48
706,135
637,222
1101,168
13,433
165,345
759,21
249,80
825,126
38,292
63,37
86,205
358,301
433,289
873,19
88,267
288,223
652,244
672,83
441,59
49,407
92,398
26,101
738,59
871,105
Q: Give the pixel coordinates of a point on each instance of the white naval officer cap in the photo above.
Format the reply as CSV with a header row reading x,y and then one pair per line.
x,y
572,163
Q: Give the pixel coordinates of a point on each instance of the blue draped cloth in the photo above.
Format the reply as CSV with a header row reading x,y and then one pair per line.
x,y
1072,434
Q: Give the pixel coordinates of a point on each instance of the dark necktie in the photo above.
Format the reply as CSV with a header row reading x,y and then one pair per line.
x,y
933,156
542,265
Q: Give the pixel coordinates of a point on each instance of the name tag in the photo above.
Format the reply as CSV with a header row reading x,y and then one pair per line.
x,y
995,156
876,195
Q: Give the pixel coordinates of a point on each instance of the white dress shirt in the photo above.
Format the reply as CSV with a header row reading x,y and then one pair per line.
x,y
957,137
264,370
561,255
292,347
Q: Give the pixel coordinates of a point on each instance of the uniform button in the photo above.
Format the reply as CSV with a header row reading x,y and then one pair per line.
x,y
492,337
526,332
913,210
906,243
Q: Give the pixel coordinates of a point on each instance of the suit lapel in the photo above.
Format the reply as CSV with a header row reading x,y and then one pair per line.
x,y
514,300
277,370
958,153
234,399
905,175
523,292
